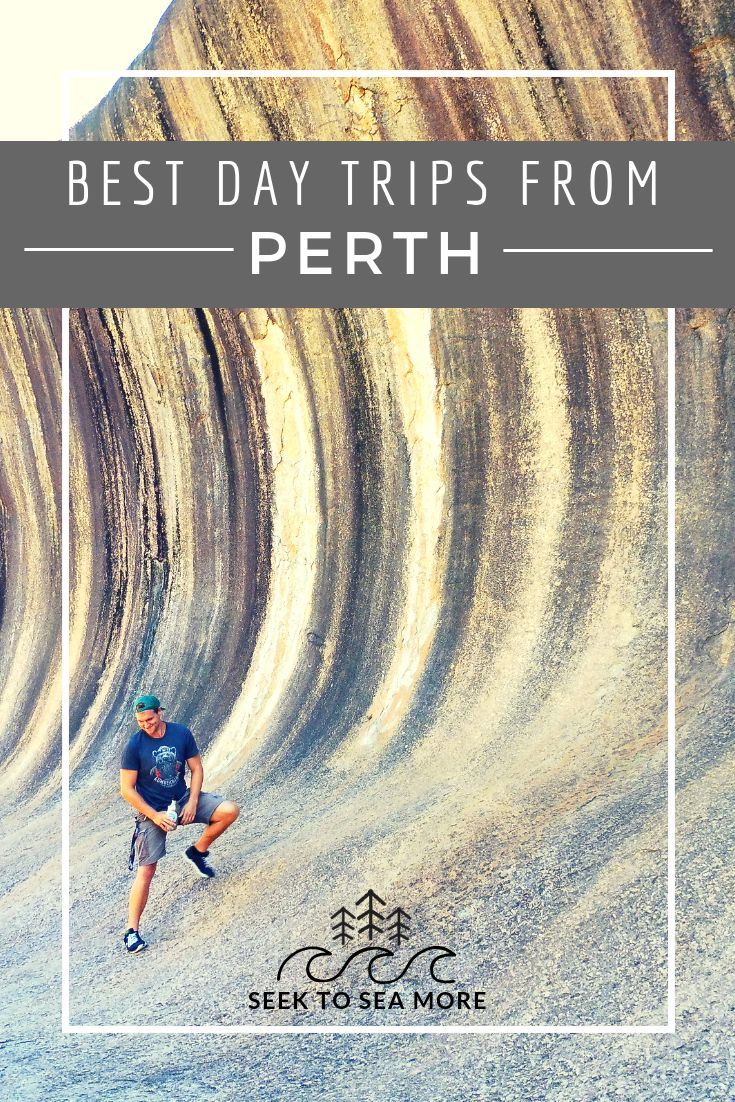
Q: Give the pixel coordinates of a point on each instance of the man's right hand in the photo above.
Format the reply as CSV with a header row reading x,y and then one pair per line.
x,y
162,820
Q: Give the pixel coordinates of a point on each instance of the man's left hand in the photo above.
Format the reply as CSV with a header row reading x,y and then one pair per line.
x,y
189,812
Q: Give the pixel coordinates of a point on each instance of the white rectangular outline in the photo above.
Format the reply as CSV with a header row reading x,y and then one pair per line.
x,y
330,74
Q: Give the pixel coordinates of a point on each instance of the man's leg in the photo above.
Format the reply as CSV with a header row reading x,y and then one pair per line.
x,y
223,816
139,894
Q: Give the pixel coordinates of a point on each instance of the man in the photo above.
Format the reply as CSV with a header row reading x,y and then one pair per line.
x,y
151,776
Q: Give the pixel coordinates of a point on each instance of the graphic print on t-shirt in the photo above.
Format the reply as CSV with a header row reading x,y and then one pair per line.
x,y
160,763
166,768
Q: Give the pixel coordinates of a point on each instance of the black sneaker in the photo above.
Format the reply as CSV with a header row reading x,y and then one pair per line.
x,y
197,859
132,941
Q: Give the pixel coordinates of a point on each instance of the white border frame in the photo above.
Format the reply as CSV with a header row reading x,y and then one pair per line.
x,y
330,74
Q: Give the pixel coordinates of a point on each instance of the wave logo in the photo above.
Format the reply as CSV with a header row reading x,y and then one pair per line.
x,y
384,964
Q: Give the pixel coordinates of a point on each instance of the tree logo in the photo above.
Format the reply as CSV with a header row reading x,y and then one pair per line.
x,y
361,930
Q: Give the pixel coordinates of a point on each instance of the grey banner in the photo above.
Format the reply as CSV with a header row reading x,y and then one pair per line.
x,y
428,224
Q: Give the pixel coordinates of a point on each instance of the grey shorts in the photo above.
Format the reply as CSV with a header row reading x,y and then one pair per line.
x,y
150,840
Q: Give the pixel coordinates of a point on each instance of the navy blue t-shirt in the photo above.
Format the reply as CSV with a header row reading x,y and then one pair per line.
x,y
160,763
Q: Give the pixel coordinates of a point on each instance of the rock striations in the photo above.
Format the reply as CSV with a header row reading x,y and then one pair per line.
x,y
404,573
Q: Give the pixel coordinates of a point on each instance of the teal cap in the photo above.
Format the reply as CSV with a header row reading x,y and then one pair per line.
x,y
146,701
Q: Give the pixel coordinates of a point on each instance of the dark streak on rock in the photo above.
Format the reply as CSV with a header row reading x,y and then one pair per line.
x,y
162,113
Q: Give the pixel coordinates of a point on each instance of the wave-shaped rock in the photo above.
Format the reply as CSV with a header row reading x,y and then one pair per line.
x,y
353,524
404,572
30,552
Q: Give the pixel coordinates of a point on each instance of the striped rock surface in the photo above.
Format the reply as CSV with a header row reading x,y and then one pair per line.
x,y
404,574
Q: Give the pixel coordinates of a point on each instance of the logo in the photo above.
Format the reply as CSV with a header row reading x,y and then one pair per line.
x,y
383,963
371,957
166,769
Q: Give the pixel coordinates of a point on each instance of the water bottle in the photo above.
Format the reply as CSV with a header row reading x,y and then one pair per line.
x,y
172,812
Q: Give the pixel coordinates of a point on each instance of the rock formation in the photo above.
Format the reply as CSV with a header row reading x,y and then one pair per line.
x,y
404,574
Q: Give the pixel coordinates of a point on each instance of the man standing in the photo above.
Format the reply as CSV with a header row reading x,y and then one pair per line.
x,y
151,776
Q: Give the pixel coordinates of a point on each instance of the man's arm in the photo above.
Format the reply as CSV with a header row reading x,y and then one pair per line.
x,y
128,777
196,780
